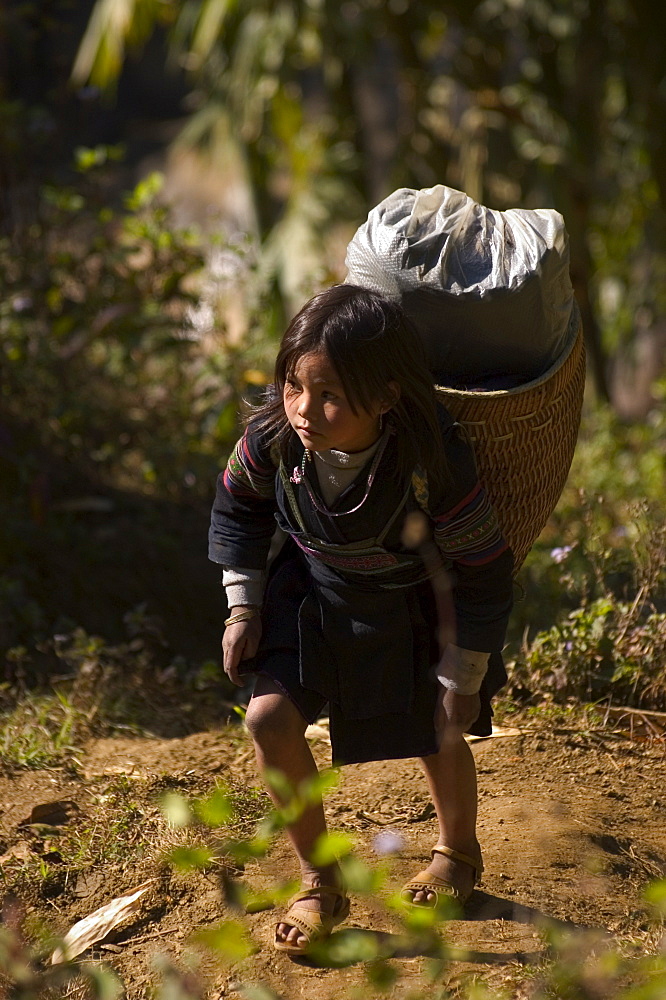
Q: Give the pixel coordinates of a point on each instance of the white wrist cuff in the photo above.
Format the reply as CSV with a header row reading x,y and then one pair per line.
x,y
243,586
462,670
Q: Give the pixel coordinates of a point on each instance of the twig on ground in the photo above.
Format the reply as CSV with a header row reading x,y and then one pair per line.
x,y
386,821
149,937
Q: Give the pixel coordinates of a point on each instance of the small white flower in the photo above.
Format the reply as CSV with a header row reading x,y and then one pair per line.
x,y
558,555
388,842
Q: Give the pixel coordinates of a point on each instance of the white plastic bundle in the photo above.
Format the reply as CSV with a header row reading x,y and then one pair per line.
x,y
489,291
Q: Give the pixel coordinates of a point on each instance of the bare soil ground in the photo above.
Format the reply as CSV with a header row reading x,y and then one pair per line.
x,y
572,823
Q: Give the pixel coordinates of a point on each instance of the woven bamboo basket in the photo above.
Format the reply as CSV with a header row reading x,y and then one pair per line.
x,y
524,440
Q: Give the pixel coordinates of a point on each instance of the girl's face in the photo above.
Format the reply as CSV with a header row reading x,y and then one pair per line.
x,y
319,411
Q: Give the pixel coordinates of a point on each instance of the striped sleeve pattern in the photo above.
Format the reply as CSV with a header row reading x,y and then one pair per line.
x,y
469,533
243,516
246,475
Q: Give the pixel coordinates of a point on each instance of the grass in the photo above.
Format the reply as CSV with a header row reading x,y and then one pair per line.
x,y
578,716
40,731
122,829
118,823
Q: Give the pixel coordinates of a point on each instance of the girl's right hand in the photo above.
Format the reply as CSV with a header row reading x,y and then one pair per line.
x,y
239,642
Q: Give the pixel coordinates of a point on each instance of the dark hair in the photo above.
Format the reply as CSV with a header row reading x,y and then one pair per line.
x,y
370,343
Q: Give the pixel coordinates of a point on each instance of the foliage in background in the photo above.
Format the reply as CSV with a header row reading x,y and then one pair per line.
x,y
538,103
101,342
592,624
135,686
38,731
119,379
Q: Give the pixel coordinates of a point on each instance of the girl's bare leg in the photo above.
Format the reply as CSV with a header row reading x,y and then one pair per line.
x,y
451,776
278,731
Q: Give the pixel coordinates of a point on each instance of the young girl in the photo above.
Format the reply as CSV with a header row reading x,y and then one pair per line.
x,y
345,454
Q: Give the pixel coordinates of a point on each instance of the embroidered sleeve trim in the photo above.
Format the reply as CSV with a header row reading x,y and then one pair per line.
x,y
244,476
449,515
420,487
470,533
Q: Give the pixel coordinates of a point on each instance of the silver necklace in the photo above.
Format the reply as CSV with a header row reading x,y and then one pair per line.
x,y
299,478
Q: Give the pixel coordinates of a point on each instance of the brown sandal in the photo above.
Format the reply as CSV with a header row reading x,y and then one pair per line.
x,y
425,881
313,924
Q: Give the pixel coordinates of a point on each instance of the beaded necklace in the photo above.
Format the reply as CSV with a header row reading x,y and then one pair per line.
x,y
298,476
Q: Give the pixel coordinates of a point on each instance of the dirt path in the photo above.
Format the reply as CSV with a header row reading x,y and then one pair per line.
x,y
572,825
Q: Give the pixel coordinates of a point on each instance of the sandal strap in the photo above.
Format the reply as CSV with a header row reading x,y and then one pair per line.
x,y
313,891
448,852
313,924
425,882
310,923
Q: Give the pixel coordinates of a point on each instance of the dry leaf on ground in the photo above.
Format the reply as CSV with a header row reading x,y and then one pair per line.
x,y
98,924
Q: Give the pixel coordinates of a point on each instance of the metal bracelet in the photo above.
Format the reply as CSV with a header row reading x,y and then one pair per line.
x,y
243,616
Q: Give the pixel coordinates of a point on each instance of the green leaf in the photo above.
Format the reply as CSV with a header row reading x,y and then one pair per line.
x,y
209,26
105,984
247,850
330,847
176,809
421,918
360,877
229,940
654,988
85,158
347,947
256,902
279,783
312,790
655,894
381,975
188,858
226,423
216,810
145,191
62,326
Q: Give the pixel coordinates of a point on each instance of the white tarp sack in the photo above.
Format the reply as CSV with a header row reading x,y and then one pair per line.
x,y
489,291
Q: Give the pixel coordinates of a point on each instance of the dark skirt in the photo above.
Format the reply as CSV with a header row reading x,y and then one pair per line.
x,y
380,737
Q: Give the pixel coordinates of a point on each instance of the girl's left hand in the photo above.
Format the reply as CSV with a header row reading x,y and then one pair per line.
x,y
239,642
454,714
